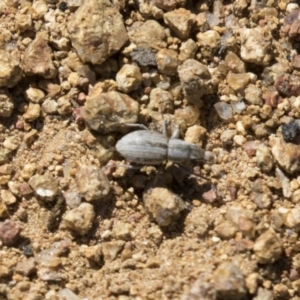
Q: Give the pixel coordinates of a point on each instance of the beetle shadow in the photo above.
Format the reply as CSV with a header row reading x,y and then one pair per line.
x,y
188,188
176,228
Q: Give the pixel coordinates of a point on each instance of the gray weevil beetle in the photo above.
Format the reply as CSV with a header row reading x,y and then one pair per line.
x,y
152,148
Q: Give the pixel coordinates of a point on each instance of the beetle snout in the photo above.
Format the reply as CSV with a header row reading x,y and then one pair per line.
x,y
180,151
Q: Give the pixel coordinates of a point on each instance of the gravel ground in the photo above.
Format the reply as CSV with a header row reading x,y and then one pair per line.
x,y
78,221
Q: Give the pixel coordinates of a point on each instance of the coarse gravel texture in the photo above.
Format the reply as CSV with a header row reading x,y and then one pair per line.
x,y
76,222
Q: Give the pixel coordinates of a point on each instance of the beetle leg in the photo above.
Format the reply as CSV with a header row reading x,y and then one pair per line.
x,y
140,126
175,132
111,166
158,172
174,128
187,171
164,128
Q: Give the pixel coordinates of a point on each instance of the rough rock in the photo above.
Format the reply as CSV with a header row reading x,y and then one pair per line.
x,y
209,42
188,50
50,106
290,217
256,45
10,70
162,205
5,155
195,80
40,8
93,253
12,143
229,282
226,230
25,189
196,135
8,197
50,257
37,59
34,95
23,22
180,21
129,78
122,231
73,199
235,213
281,291
45,186
287,155
264,158
264,294
146,9
242,219
234,63
33,112
26,267
91,182
112,249
49,274
80,219
288,85
168,4
51,88
189,114
167,61
296,62
285,183
10,232
161,100
97,31
3,210
201,22
267,247
67,293
6,103
291,25
238,82
253,95
252,281
261,194
148,35
196,222
107,112
64,106
210,196
28,171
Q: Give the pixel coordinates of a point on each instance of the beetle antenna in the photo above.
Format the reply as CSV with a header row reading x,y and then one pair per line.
x,y
133,125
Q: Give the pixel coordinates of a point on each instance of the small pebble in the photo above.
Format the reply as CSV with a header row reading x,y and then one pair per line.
x,y
267,247
163,205
224,110
10,232
44,186
229,282
80,219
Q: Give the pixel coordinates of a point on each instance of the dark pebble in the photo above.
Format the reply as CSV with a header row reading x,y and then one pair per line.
x,y
143,56
290,131
63,6
27,250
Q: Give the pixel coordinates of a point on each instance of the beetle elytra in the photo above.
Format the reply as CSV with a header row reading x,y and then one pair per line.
x,y
152,148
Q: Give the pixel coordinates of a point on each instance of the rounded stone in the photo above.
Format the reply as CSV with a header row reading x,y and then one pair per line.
x,y
10,70
80,219
163,205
